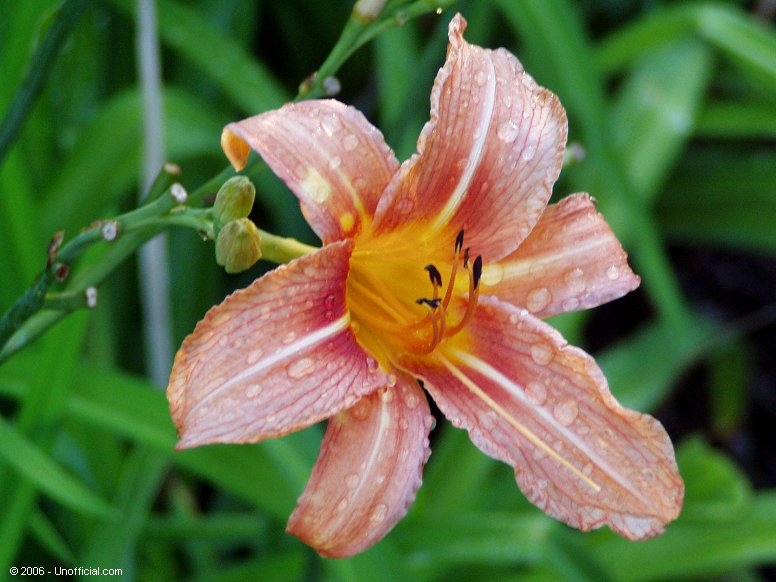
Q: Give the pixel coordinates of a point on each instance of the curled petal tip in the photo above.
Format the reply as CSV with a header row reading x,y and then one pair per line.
x,y
235,149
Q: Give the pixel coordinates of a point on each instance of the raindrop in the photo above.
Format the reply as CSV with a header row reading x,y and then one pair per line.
x,y
541,353
342,505
301,368
570,304
378,513
529,152
538,299
537,270
360,409
492,274
371,364
410,400
331,124
289,337
253,391
352,480
575,278
566,412
430,422
480,77
223,341
613,273
514,318
507,131
386,395
335,162
350,142
536,393
391,381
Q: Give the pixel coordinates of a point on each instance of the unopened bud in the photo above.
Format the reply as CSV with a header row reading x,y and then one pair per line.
x,y
234,200
238,245
368,10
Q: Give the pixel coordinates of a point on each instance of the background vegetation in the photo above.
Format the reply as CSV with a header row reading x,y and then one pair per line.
x,y
674,104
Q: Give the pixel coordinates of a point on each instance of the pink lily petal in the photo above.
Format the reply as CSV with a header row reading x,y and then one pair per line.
x,y
328,154
572,260
274,357
367,473
530,400
486,160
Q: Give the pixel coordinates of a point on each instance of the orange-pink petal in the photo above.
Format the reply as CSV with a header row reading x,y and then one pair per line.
x,y
488,157
328,154
367,472
272,358
572,260
530,400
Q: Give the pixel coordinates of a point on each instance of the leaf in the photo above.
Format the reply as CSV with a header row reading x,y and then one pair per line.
x,y
45,473
655,111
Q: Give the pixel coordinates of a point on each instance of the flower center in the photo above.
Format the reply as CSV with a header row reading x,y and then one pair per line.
x,y
389,300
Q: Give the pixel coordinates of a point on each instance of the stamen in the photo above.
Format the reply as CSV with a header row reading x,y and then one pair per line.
x,y
466,258
459,242
432,303
434,275
474,279
477,270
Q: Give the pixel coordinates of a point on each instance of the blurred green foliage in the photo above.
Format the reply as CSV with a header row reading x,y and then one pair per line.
x,y
675,107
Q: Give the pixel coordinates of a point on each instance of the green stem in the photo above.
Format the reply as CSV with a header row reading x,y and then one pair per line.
x,y
280,249
37,71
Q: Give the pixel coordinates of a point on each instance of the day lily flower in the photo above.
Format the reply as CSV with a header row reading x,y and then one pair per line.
x,y
434,274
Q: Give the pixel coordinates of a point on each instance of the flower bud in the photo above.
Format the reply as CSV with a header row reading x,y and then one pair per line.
x,y
238,245
234,200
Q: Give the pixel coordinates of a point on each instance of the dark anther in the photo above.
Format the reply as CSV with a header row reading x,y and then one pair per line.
x,y
466,258
434,275
477,270
432,303
459,242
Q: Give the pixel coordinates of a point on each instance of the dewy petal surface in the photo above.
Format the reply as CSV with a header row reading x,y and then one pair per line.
x,y
274,357
529,399
571,260
328,154
367,471
487,159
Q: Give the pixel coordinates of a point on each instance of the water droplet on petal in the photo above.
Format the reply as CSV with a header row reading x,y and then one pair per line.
x,y
566,412
360,409
252,391
301,368
391,381
529,152
289,337
378,513
480,77
352,480
575,278
371,364
613,273
331,124
507,131
536,393
335,162
538,299
350,142
492,274
342,505
254,356
541,353
570,304
386,395
429,422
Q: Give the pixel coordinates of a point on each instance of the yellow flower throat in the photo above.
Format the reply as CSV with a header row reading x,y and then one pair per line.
x,y
391,308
